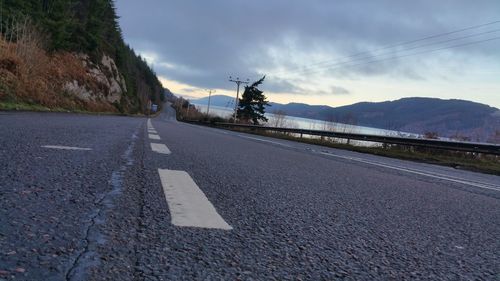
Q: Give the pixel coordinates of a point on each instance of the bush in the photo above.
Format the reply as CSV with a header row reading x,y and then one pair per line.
x,y
217,119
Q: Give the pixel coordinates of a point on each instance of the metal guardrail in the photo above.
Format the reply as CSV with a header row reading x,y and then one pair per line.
x,y
429,143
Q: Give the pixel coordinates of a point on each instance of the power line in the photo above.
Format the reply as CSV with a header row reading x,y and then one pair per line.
x,y
402,44
305,71
414,54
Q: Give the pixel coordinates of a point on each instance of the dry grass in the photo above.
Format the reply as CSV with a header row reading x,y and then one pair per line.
x,y
477,162
30,75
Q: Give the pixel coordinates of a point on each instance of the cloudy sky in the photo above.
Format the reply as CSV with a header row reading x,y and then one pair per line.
x,y
321,51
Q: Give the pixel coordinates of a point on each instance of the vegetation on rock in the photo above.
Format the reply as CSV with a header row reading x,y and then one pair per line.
x,y
71,54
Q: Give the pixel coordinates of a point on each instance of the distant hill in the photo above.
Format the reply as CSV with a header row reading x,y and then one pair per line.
x,y
216,100
449,118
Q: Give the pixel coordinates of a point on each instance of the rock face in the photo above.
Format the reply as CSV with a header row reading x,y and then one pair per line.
x,y
80,91
116,81
104,81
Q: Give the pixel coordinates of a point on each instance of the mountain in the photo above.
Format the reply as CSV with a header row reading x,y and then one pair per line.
x,y
215,100
300,110
67,54
449,118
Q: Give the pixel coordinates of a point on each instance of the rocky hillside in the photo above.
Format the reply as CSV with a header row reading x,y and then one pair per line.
x,y
67,54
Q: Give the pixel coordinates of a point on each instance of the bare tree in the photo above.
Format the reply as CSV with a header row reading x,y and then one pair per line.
x,y
431,135
23,40
495,137
278,119
460,137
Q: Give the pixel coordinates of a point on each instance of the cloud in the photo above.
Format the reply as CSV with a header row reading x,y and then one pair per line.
x,y
188,97
189,90
281,86
201,43
331,91
335,90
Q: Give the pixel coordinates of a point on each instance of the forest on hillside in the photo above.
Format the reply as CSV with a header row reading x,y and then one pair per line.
x,y
62,27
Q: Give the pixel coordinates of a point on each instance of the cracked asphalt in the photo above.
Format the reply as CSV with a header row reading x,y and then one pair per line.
x,y
101,214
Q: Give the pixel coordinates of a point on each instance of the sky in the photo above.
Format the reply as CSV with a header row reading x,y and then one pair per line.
x,y
321,51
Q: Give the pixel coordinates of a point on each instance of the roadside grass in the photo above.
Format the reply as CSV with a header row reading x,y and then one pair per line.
x,y
11,106
21,106
484,163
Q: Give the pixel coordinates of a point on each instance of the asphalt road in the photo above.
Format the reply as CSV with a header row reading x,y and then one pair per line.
x,y
87,197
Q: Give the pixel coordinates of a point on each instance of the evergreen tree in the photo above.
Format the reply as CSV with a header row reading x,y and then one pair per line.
x,y
252,104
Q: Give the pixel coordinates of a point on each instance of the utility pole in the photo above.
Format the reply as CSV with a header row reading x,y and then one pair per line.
x,y
209,95
238,83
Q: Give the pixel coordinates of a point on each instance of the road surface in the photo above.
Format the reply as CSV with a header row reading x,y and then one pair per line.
x,y
85,197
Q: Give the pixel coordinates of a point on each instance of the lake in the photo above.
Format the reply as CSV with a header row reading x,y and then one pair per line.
x,y
311,124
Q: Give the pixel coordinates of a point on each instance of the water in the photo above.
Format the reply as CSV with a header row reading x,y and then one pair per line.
x,y
312,124
221,111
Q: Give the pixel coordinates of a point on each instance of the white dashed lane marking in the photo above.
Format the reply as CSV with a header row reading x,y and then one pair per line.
x,y
160,148
187,203
154,137
65,147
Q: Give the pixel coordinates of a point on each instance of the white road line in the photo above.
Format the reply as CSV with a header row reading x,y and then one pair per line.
x,y
65,147
154,137
257,139
187,203
437,175
418,172
160,148
152,131
149,124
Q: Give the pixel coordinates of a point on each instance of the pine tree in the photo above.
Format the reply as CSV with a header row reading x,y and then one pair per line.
x,y
253,103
